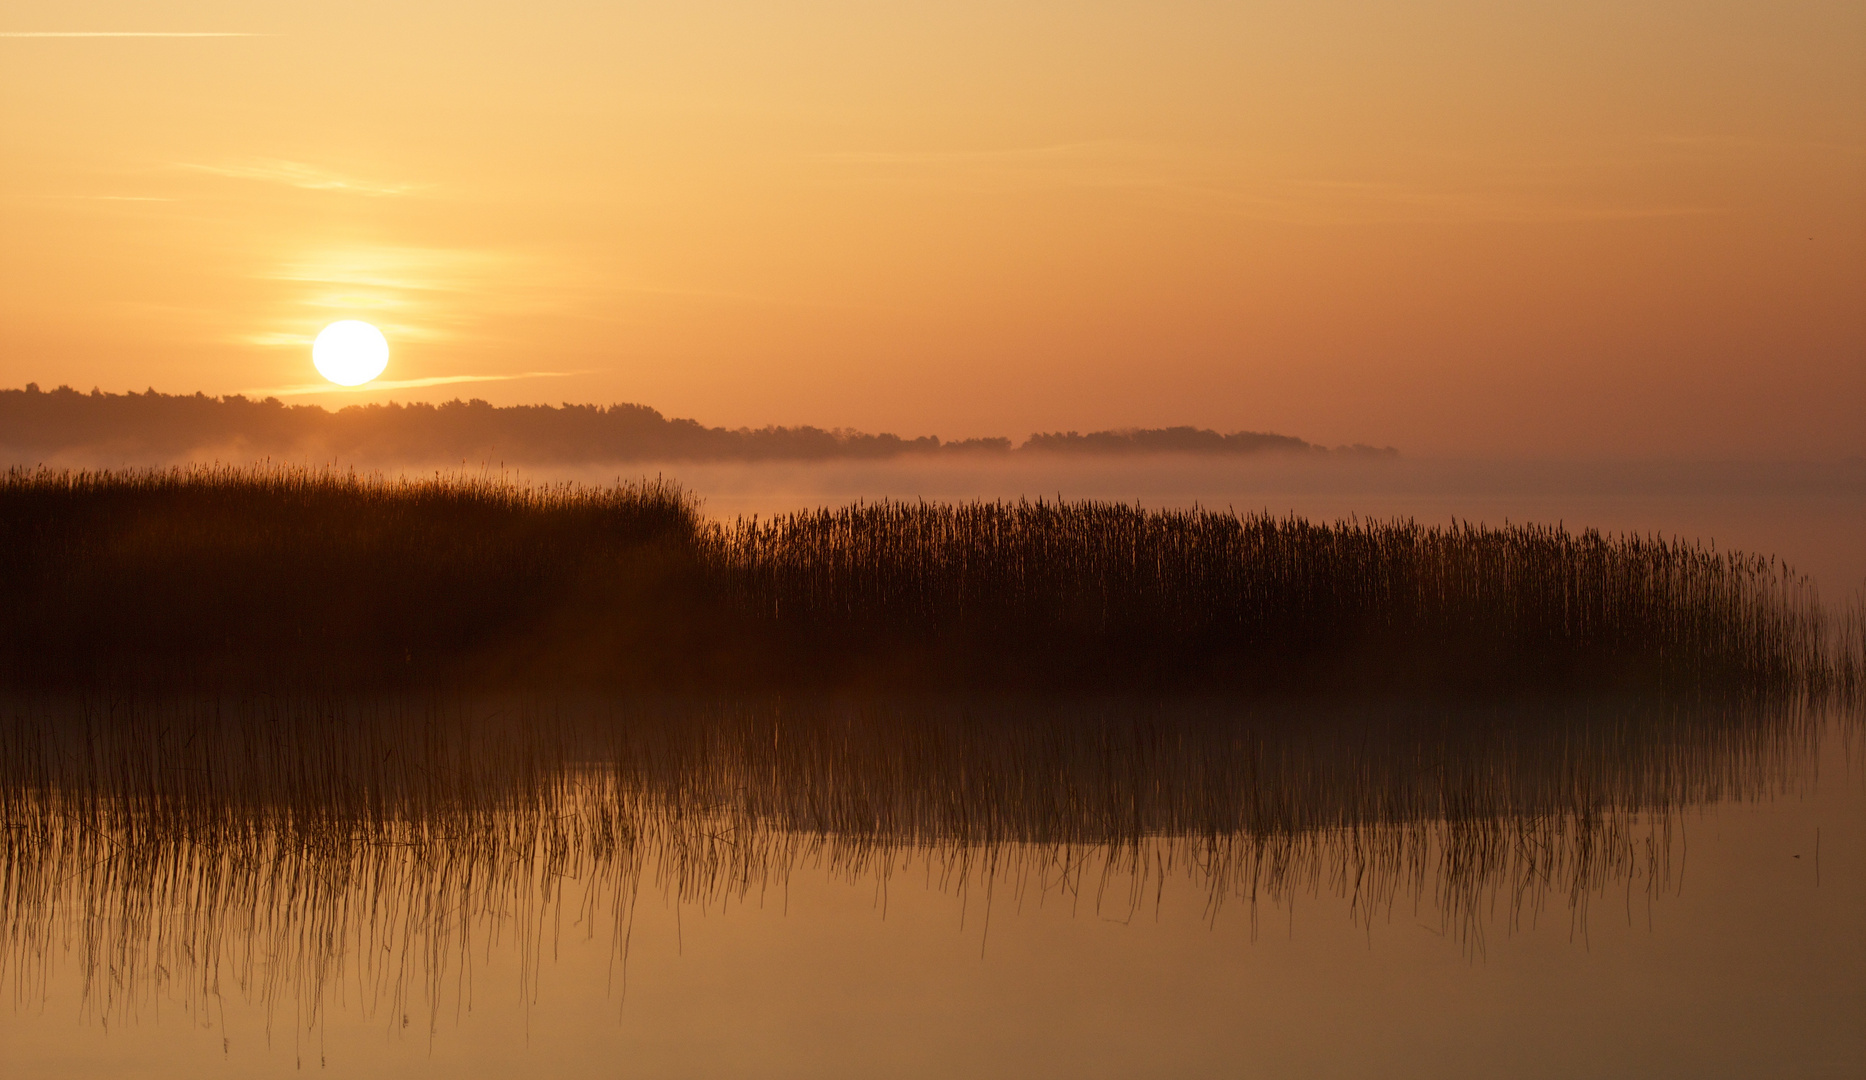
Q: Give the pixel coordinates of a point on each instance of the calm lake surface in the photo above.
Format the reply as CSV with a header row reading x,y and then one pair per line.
x,y
1604,897
1718,935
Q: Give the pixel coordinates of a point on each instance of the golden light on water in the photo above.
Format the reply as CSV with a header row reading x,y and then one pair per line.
x,y
350,352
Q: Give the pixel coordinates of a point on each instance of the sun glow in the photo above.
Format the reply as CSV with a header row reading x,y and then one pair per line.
x,y
350,353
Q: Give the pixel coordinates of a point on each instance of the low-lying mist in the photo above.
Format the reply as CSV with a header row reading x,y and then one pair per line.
x,y
284,577
141,428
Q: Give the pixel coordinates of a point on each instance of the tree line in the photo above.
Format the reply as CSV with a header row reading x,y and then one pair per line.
x,y
156,425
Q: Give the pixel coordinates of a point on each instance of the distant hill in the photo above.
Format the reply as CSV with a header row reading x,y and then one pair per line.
x,y
153,425
1184,440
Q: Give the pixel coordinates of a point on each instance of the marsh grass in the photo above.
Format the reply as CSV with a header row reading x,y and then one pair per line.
x,y
216,579
311,737
1103,594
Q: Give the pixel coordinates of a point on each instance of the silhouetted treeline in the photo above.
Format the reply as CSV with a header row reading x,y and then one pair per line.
x,y
226,577
166,426
1185,440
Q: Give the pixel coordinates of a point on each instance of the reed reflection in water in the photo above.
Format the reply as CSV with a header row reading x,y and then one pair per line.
x,y
313,854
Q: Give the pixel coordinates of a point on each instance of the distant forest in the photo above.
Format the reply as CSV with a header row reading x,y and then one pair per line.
x,y
36,422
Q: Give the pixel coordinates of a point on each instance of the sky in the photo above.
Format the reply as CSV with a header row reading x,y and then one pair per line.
x,y
1588,230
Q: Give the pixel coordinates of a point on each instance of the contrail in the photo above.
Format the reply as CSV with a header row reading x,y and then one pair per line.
x,y
122,33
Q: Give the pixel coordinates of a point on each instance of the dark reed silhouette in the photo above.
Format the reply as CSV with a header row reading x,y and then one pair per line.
x,y
189,847
163,427
217,579
997,592
305,576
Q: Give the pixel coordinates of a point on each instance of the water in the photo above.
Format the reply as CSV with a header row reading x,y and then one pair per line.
x,y
1654,905
1600,888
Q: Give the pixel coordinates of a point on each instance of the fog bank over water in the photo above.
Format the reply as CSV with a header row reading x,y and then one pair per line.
x,y
1812,515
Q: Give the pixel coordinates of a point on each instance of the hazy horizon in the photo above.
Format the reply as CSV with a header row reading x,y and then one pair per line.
x,y
1040,537
1593,230
79,450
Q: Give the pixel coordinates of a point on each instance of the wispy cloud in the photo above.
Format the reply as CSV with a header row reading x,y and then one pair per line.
x,y
388,267
1361,201
1054,151
128,34
112,198
399,384
300,175
1269,188
1095,163
411,293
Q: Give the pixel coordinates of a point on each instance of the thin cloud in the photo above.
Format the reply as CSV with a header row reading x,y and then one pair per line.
x,y
398,268
1008,154
1387,201
128,34
1338,202
400,384
1217,182
1094,163
113,198
299,175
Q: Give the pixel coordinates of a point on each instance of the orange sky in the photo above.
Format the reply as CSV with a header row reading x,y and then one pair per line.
x,y
1578,230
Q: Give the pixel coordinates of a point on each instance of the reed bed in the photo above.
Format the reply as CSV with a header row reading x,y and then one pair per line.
x,y
1201,595
219,578
290,733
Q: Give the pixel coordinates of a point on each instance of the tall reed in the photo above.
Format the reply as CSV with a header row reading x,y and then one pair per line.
x,y
1111,593
297,579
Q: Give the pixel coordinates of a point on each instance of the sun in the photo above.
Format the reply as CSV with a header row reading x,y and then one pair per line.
x,y
350,353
